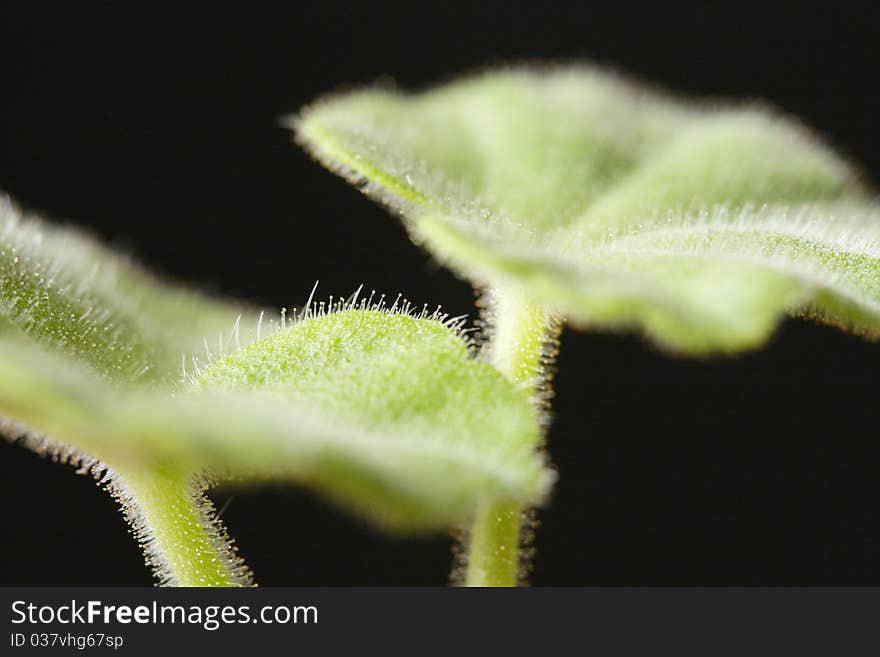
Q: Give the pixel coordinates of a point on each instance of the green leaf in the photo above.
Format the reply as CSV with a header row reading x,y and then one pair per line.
x,y
384,411
367,417
614,205
411,421
71,295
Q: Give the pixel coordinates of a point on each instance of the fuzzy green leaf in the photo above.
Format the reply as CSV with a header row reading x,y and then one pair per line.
x,y
615,205
73,296
356,403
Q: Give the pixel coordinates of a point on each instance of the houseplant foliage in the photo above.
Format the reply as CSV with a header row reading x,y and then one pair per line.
x,y
158,391
574,193
565,194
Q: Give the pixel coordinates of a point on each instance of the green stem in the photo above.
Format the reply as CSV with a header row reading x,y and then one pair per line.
x,y
175,525
493,549
517,342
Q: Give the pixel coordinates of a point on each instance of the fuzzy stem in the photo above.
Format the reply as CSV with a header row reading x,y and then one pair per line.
x,y
493,551
517,342
181,539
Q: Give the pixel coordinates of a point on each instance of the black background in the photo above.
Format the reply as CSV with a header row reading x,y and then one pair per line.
x,y
157,129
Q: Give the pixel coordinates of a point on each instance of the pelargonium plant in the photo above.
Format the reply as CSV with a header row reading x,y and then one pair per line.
x,y
566,195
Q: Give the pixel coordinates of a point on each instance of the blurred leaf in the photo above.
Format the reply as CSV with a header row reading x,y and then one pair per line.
x,y
69,294
615,205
